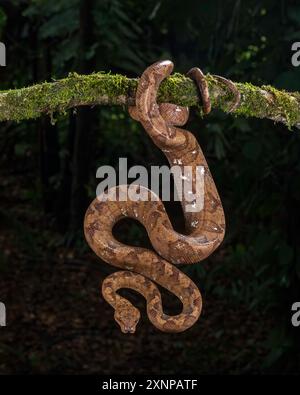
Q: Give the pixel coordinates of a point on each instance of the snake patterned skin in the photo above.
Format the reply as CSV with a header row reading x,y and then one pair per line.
x,y
143,268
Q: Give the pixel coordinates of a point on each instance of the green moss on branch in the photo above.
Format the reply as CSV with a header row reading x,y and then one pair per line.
x,y
107,89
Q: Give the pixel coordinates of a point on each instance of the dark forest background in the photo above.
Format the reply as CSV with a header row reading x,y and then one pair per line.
x,y
57,321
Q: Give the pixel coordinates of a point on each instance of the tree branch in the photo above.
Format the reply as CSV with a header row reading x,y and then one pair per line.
x,y
107,89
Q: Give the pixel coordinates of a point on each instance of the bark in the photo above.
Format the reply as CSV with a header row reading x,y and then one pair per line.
x,y
107,89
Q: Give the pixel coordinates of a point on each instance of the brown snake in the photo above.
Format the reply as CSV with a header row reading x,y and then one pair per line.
x,y
143,268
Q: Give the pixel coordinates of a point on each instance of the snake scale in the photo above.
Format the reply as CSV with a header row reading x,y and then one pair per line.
x,y
142,268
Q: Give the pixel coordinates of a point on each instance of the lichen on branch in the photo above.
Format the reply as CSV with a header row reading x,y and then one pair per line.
x,y
113,89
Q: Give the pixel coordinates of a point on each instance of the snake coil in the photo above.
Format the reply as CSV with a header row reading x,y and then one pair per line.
x,y
143,268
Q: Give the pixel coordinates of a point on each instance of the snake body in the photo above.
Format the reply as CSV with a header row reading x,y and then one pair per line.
x,y
143,268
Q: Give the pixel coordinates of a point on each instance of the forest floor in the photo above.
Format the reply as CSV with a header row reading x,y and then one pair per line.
x,y
57,321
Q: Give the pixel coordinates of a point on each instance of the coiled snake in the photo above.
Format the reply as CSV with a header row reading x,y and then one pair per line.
x,y
143,268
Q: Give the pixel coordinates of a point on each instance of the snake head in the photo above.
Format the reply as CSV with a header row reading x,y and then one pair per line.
x,y
127,318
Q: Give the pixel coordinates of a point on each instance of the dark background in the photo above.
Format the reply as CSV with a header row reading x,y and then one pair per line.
x,y
49,278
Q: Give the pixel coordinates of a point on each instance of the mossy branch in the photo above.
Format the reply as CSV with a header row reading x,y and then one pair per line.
x,y
108,89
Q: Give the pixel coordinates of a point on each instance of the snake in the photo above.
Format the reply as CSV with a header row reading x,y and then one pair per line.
x,y
142,269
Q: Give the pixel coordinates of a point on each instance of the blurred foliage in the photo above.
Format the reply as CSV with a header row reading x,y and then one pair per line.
x,y
255,163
